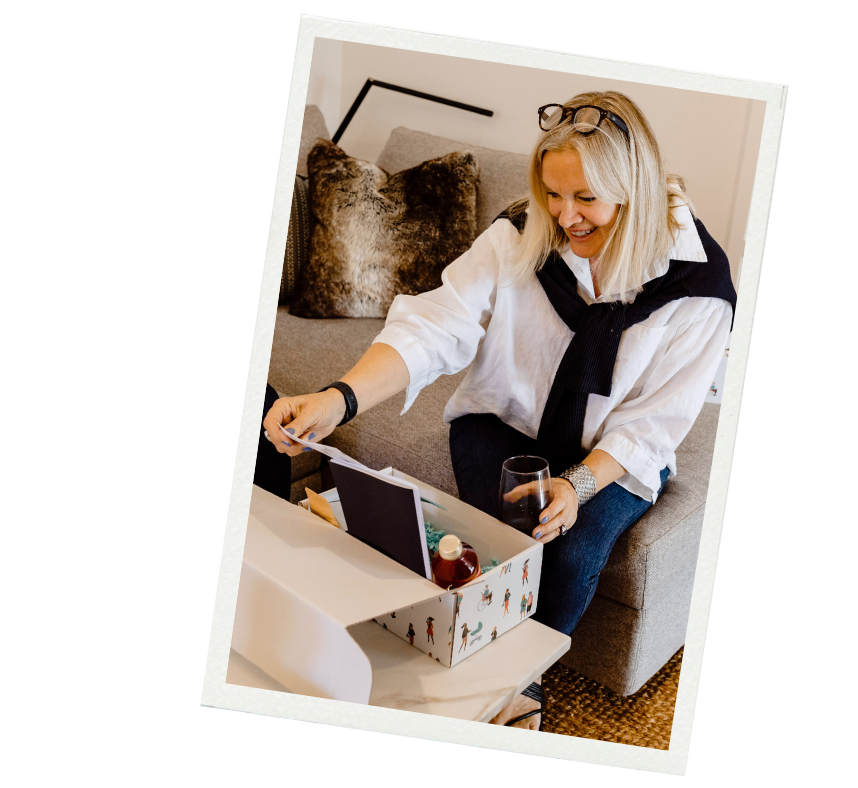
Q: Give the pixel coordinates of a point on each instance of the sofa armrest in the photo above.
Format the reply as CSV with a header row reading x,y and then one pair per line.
x,y
664,542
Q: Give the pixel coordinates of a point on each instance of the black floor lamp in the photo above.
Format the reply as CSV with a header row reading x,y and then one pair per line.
x,y
399,89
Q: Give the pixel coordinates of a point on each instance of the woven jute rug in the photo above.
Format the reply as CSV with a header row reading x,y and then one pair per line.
x,y
578,706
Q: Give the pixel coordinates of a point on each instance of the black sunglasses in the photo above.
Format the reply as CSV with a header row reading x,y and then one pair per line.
x,y
587,117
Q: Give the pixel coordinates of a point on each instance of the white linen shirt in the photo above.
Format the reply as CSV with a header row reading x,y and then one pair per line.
x,y
665,364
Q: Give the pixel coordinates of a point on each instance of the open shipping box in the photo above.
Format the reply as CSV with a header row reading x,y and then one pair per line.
x,y
304,583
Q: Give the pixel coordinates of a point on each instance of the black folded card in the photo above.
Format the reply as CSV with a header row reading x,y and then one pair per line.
x,y
384,513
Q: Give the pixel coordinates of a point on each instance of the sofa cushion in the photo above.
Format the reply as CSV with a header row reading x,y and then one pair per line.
x,y
308,354
377,236
503,175
314,128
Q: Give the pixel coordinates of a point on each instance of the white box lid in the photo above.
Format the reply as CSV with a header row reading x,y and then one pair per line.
x,y
324,566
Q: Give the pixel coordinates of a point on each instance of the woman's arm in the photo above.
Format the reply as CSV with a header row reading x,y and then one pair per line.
x,y
379,374
435,333
563,509
604,468
642,433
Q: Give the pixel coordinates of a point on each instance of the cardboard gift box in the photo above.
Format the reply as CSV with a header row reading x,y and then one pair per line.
x,y
304,583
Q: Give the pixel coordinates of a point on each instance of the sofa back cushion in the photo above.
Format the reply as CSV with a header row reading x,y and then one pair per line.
x,y
503,175
314,128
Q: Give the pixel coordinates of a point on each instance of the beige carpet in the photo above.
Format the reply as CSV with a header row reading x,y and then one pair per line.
x,y
578,706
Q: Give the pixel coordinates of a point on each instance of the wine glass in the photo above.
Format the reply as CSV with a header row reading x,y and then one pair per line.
x,y
525,491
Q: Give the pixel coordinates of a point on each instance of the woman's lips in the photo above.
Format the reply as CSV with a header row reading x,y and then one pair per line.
x,y
579,238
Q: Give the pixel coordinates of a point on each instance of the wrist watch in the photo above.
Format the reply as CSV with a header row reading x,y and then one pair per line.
x,y
351,400
582,479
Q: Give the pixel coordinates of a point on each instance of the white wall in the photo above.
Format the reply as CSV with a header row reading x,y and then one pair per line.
x,y
326,72
709,139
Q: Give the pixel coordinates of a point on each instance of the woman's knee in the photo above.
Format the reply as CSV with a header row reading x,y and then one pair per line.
x,y
577,556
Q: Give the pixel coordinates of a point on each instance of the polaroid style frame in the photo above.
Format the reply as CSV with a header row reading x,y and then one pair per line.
x,y
216,692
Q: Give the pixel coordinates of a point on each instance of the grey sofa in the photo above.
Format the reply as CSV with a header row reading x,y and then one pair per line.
x,y
638,617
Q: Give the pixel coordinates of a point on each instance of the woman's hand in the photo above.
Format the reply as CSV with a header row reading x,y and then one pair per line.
x,y
310,417
563,509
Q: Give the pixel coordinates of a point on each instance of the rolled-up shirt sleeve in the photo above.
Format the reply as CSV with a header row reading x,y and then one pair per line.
x,y
643,433
439,332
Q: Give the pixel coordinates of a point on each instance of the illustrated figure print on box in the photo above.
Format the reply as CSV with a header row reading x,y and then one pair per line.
x,y
487,608
416,625
471,617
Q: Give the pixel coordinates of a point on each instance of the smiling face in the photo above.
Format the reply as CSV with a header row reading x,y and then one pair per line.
x,y
584,219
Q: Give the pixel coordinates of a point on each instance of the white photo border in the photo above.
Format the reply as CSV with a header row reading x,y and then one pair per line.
x,y
216,692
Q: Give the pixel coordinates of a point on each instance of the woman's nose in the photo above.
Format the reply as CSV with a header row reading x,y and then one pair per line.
x,y
569,215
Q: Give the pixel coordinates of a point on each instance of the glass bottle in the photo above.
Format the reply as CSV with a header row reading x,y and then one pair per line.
x,y
455,563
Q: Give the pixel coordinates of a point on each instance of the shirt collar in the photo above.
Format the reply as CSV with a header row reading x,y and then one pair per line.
x,y
686,246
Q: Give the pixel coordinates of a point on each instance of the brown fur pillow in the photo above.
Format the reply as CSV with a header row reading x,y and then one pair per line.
x,y
379,235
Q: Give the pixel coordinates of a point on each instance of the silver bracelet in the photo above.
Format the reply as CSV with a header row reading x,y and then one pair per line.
x,y
582,479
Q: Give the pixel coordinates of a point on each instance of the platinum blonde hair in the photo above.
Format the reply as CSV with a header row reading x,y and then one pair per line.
x,y
628,173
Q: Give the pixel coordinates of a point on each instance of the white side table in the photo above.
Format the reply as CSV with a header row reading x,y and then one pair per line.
x,y
405,678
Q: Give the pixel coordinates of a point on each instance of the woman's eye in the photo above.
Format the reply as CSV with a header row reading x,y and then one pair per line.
x,y
587,199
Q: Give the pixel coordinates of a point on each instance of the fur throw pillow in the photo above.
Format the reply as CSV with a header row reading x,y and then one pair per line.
x,y
378,235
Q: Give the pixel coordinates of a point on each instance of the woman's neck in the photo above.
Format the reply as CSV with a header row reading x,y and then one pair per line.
x,y
594,267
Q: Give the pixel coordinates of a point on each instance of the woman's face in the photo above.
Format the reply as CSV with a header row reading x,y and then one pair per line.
x,y
584,219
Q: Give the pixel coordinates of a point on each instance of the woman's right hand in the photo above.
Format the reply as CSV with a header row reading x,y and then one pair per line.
x,y
310,417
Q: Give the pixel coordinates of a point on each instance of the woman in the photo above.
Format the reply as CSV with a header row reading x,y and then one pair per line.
x,y
592,316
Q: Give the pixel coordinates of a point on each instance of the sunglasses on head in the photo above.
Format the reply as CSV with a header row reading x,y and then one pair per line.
x,y
587,118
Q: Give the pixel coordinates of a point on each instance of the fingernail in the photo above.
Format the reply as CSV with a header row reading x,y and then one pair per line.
x,y
543,520
286,443
290,430
537,535
306,448
312,435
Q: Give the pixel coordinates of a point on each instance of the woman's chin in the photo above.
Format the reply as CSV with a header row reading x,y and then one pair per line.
x,y
586,246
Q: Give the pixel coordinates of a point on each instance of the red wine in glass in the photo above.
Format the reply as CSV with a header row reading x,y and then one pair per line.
x,y
525,492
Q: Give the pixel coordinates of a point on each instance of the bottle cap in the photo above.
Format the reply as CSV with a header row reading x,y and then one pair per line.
x,y
450,547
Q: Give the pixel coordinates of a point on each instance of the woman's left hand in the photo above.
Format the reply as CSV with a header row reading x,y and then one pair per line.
x,y
562,511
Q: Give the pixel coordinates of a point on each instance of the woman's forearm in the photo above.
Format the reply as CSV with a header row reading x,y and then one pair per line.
x,y
379,374
563,509
604,468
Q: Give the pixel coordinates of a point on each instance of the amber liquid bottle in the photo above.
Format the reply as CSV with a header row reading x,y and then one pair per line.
x,y
455,563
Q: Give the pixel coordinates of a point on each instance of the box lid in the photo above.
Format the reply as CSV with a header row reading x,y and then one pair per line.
x,y
330,570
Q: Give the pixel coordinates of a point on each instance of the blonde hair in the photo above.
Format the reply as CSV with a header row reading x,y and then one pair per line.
x,y
625,172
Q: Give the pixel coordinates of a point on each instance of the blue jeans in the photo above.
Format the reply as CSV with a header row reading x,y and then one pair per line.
x,y
479,443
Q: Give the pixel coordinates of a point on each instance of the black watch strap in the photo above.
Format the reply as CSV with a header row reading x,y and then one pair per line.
x,y
351,400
